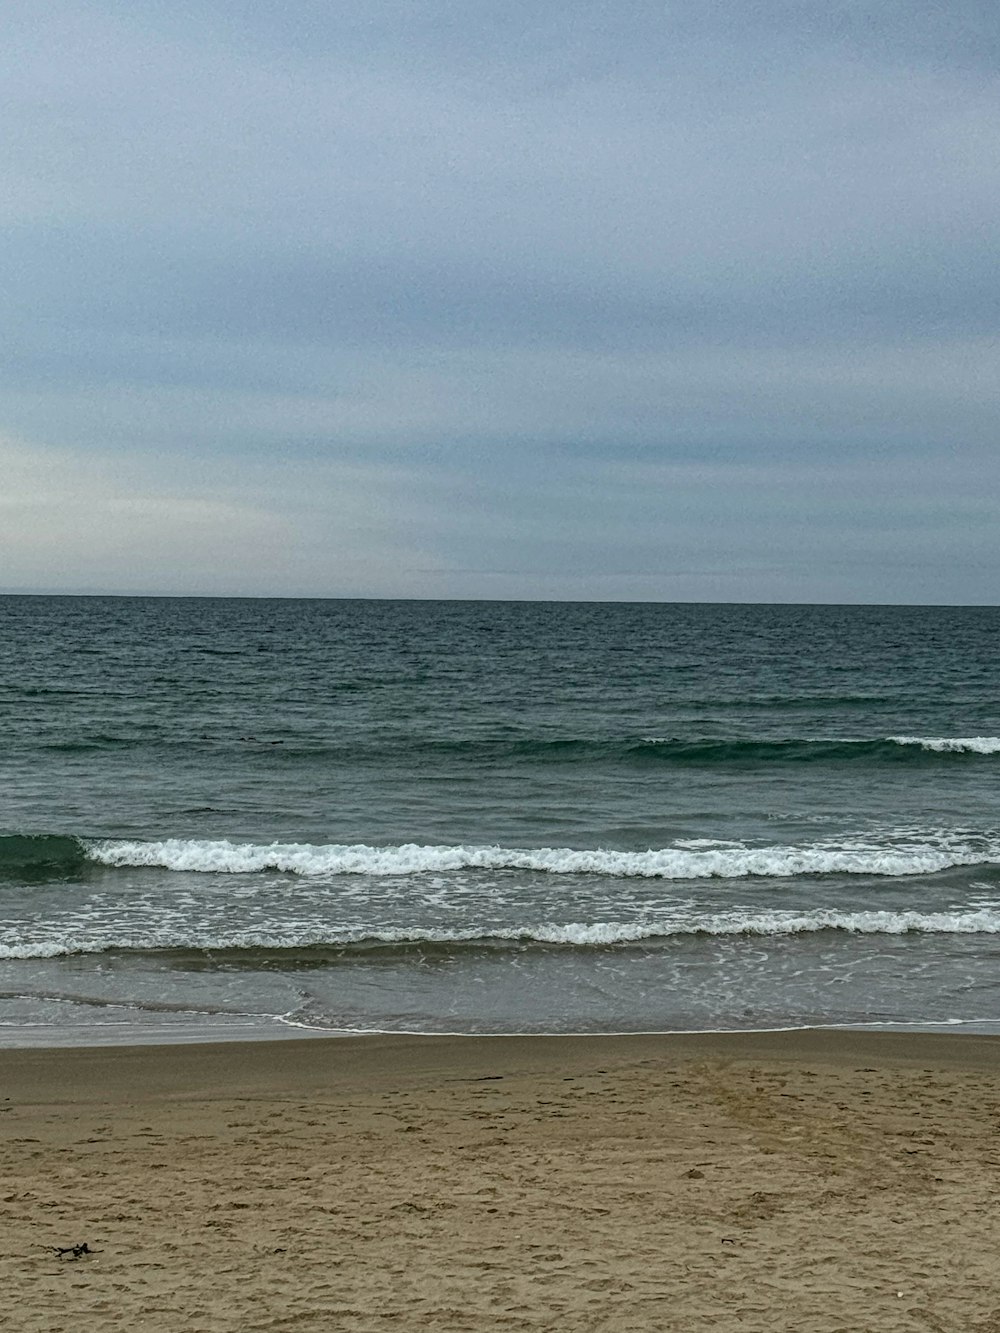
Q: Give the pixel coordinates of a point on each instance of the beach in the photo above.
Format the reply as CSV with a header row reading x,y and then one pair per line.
x,y
811,1180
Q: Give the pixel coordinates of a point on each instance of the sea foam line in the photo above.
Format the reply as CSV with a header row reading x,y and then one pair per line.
x,y
573,934
732,862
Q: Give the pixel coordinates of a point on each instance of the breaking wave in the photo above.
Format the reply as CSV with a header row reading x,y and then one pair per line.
x,y
55,856
723,861
952,744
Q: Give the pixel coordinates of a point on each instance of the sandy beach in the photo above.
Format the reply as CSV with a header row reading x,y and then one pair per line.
x,y
810,1181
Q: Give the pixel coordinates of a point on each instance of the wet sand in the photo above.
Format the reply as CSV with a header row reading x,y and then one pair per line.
x,y
803,1181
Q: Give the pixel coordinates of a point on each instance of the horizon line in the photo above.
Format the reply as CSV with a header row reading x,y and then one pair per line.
x,y
542,601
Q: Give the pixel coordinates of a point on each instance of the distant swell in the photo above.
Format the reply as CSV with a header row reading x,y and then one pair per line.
x,y
565,750
725,750
290,948
802,750
725,861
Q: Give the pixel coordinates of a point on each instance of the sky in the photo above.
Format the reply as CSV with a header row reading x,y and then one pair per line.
x,y
693,300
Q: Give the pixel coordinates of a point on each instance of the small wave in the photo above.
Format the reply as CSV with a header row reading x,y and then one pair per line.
x,y
728,862
41,853
100,742
316,948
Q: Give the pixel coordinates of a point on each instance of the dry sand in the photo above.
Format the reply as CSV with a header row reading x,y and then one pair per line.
x,y
800,1181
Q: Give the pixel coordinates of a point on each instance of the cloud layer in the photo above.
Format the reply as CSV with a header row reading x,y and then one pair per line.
x,y
686,300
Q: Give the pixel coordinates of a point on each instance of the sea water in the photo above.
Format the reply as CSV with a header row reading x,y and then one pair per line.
x,y
237,817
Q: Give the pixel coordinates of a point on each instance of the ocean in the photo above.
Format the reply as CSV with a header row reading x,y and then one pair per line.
x,y
247,818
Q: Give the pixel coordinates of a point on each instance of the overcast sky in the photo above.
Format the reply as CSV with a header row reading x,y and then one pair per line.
x,y
690,300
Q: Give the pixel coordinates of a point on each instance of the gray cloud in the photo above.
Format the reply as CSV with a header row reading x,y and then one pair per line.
x,y
677,300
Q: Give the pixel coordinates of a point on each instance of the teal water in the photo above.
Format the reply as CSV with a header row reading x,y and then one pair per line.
x,y
240,816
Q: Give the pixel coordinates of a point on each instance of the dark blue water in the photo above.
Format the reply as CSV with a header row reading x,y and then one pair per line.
x,y
236,816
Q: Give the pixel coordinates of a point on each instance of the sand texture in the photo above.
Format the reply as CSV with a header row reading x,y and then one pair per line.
x,y
809,1181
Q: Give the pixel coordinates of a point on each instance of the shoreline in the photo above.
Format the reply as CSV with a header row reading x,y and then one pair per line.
x,y
183,1068
124,1037
817,1179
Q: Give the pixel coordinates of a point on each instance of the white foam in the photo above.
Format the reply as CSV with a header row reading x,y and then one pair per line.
x,y
732,862
952,744
978,922
50,950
